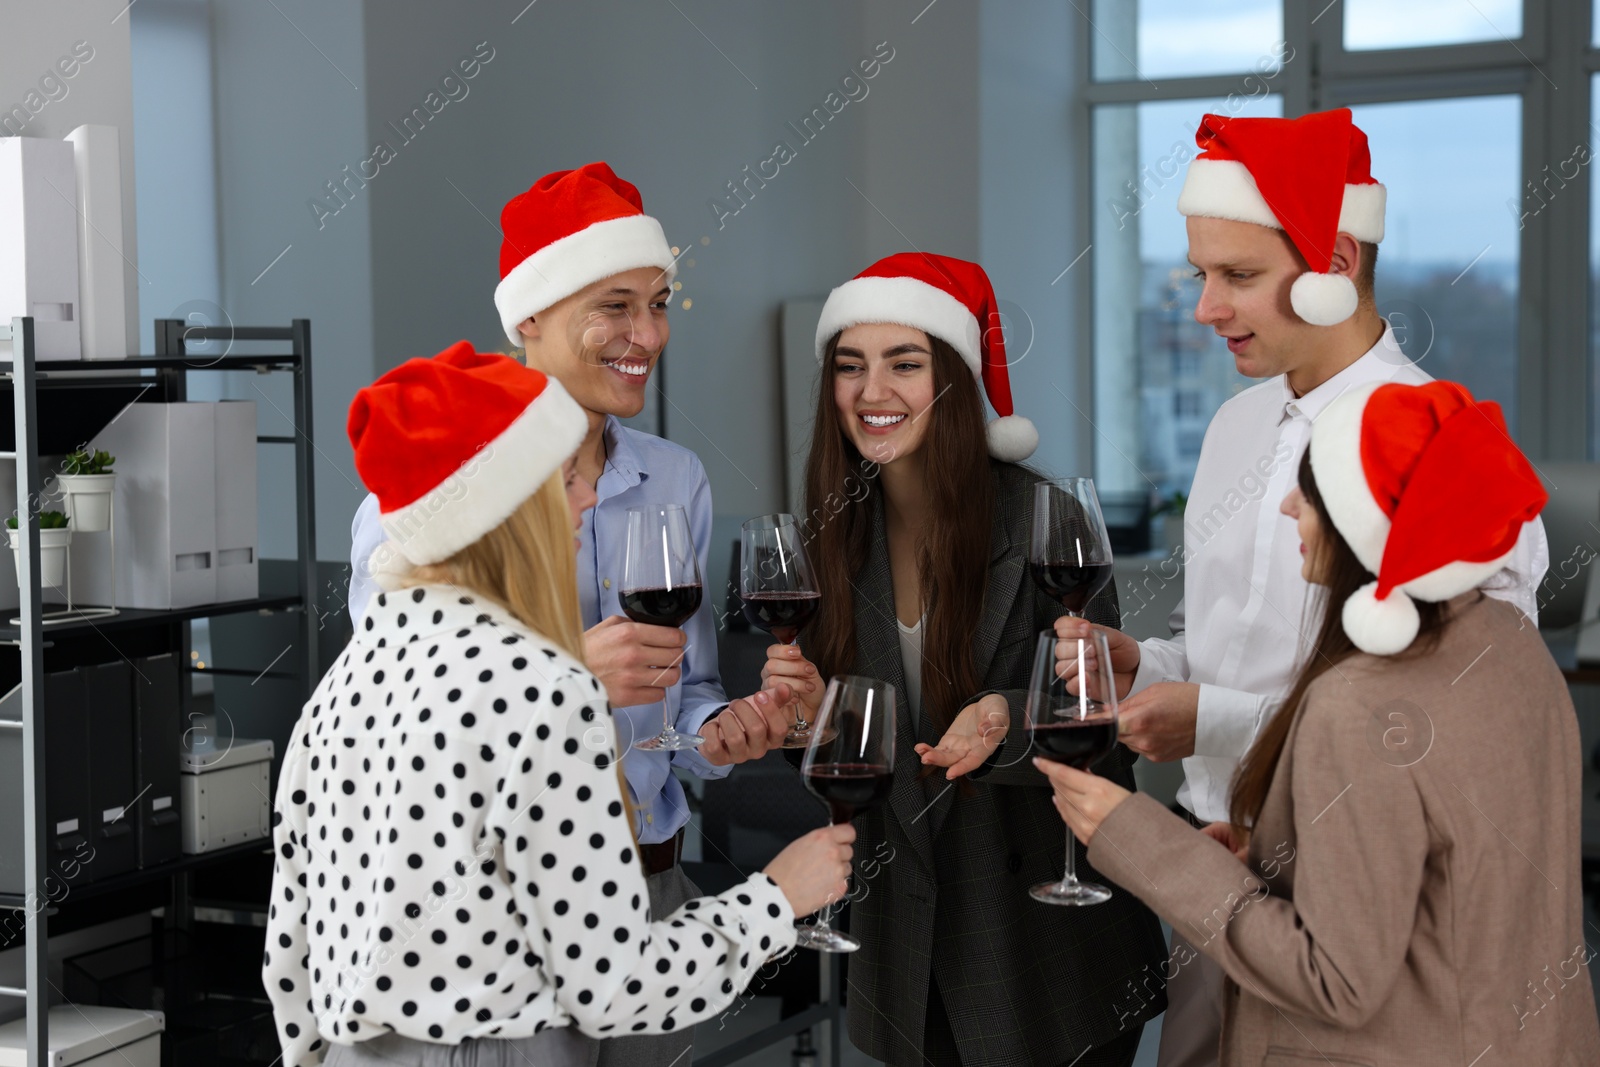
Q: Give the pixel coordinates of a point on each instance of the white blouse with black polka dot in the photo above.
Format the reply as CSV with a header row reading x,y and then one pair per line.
x,y
454,859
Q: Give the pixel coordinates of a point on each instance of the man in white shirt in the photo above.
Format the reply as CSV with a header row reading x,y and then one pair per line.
x,y
1279,250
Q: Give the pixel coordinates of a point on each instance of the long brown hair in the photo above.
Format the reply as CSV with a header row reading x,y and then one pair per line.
x,y
1341,575
842,492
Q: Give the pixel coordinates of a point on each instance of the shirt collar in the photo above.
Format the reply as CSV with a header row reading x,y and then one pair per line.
x,y
1378,363
622,455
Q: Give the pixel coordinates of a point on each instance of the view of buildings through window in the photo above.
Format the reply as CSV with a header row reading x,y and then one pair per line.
x,y
1448,269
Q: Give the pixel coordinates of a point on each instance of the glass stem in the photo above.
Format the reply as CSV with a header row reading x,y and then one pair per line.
x,y
668,720
1071,877
800,724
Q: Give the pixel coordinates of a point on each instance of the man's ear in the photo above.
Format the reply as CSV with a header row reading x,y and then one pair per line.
x,y
529,329
1346,256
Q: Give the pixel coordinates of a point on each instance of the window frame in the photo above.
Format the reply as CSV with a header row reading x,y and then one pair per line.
x,y
1554,419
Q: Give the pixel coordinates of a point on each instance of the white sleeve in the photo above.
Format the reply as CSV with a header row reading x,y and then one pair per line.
x,y
1228,720
366,534
1518,582
284,966
1163,659
569,855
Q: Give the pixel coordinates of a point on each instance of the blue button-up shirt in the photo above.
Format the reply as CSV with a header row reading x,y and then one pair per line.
x,y
639,469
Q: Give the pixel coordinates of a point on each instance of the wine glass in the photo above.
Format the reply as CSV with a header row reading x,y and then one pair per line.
x,y
1071,718
849,765
661,586
1069,553
778,591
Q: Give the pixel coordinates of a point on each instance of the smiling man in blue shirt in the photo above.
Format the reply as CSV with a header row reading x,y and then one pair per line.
x,y
585,281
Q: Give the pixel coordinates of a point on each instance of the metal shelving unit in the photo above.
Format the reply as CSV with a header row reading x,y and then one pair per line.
x,y
163,378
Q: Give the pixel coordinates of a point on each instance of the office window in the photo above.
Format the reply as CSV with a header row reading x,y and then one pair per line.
x,y
1373,24
1489,271
1145,337
1448,265
1162,38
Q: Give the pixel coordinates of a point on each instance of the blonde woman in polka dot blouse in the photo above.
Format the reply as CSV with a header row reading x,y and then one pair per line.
x,y
456,876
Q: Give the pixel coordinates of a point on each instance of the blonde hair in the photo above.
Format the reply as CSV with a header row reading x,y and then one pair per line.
x,y
528,566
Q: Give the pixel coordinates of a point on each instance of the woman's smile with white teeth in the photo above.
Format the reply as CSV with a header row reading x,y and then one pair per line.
x,y
882,420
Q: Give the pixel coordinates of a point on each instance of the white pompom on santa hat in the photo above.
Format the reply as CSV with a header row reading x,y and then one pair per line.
x,y
571,229
948,298
452,445
1425,485
1310,177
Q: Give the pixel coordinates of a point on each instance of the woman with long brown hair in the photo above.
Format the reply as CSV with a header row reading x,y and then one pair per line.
x,y
457,879
918,523
1399,878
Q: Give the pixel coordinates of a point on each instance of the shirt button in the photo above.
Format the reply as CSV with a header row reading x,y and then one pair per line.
x,y
607,583
649,818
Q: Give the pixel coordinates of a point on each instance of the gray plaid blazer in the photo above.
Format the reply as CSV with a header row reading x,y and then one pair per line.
x,y
943,870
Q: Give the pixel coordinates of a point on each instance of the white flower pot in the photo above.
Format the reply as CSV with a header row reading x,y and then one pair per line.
x,y
52,555
88,499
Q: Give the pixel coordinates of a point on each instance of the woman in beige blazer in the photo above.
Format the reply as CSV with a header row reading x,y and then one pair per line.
x,y
1399,883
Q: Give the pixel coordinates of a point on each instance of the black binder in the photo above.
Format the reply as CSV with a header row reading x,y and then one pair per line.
x,y
69,854
158,724
112,794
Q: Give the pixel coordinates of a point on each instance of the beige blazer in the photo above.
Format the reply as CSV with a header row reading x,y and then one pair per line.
x,y
1413,894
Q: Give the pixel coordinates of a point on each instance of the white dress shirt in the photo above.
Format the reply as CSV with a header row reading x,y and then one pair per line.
x,y
1243,624
454,859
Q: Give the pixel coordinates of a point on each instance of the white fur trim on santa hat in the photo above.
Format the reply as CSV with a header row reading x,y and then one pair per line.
x,y
1455,578
1323,299
559,269
1341,480
1224,189
484,491
1380,627
905,302
1012,438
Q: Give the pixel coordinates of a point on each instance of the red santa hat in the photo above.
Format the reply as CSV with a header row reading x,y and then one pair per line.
x,y
946,298
1429,491
452,445
573,228
1310,177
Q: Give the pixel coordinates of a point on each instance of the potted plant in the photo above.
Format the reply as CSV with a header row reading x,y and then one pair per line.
x,y
55,534
1171,514
86,482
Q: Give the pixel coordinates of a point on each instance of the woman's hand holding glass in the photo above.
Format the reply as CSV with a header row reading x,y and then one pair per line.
x,y
814,870
786,663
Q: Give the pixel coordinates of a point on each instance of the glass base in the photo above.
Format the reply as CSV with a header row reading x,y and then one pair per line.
x,y
1072,894
669,741
800,737
824,939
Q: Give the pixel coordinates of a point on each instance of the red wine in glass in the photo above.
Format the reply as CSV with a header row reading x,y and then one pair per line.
x,y
1071,718
661,587
781,614
662,607
849,764
1072,585
778,591
849,787
1077,744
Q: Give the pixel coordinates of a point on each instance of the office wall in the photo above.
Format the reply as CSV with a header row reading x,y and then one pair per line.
x,y
290,112
36,100
957,145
